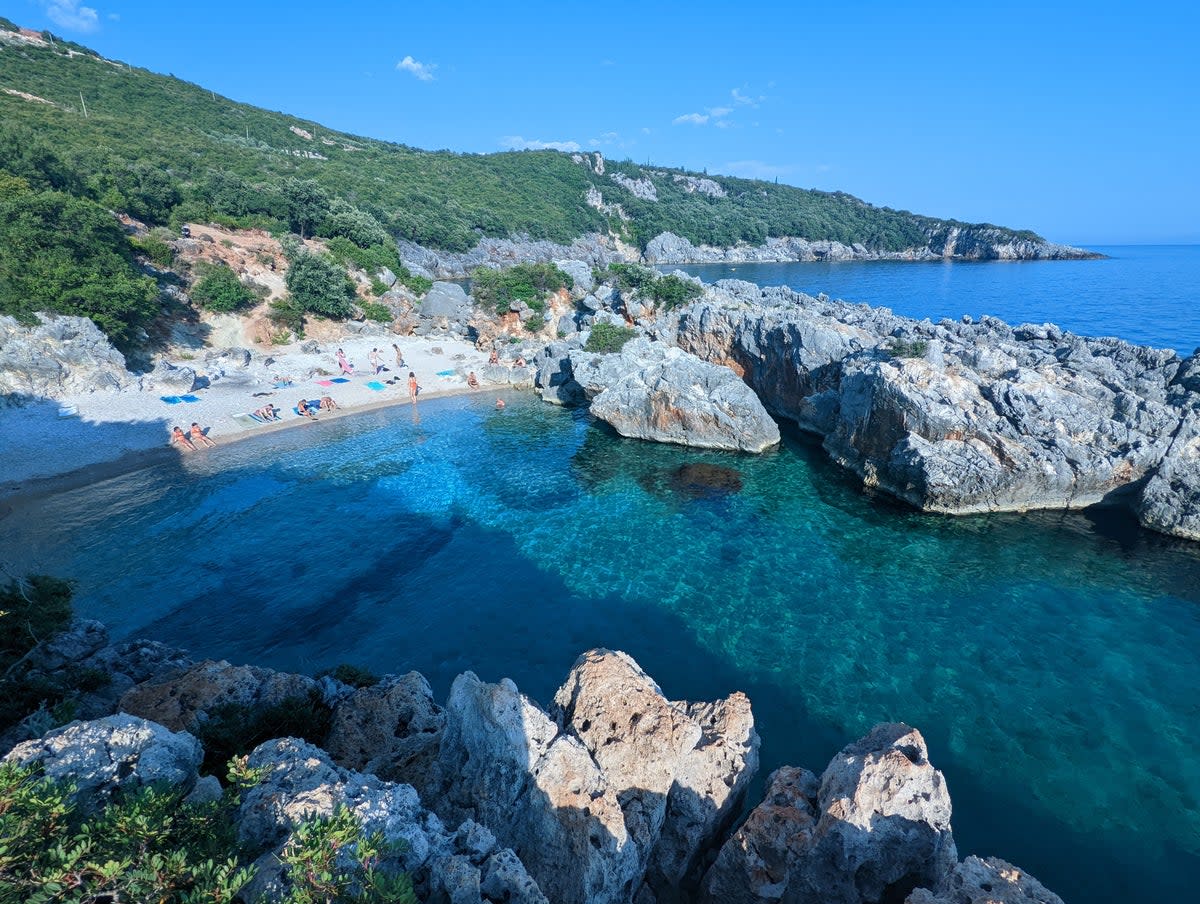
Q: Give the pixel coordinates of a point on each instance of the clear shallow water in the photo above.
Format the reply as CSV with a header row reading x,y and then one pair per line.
x,y
1148,294
1051,660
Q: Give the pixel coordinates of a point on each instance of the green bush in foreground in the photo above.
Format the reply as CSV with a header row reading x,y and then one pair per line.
x,y
219,289
154,248
671,291
373,310
145,846
318,285
606,338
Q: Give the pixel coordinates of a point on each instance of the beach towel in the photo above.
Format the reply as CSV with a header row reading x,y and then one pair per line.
x,y
282,385
375,384
339,380
189,398
170,399
324,382
445,373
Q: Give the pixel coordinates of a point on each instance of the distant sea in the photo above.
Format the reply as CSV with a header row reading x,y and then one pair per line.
x,y
1148,294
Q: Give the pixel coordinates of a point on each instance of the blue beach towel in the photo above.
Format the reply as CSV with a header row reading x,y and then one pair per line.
x,y
189,398
445,373
339,380
170,399
375,384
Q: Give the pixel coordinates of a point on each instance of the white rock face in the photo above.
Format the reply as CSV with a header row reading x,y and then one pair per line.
x,y
657,392
465,866
986,881
61,356
114,752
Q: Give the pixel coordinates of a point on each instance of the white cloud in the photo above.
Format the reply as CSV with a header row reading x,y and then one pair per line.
x,y
756,169
70,15
718,112
607,139
723,124
695,119
517,143
423,71
744,100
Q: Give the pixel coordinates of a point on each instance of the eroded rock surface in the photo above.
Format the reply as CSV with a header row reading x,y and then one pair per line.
x,y
656,392
60,356
115,752
986,881
878,826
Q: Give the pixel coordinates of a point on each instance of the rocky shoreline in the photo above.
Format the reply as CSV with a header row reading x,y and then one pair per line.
x,y
973,244
614,793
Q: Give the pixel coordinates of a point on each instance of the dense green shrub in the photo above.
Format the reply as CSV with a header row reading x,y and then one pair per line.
x,y
332,860
607,337
530,283
287,314
219,289
670,291
373,310
146,846
154,248
632,276
351,674
234,729
347,221
320,286
68,255
906,348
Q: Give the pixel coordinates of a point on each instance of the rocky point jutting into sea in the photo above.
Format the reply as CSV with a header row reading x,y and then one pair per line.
x,y
614,793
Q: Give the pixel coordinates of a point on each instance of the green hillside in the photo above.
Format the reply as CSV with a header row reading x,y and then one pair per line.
x,y
166,150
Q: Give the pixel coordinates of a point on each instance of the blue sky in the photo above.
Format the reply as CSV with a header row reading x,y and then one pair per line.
x,y
1080,121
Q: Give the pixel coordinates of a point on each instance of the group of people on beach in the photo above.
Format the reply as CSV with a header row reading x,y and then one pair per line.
x,y
375,358
194,438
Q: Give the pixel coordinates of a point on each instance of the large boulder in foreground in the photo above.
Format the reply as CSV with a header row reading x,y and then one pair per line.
x,y
658,392
464,866
619,795
878,827
116,752
1170,501
986,881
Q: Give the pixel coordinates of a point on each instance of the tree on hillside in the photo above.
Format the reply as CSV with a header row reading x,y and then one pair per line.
x,y
320,286
307,204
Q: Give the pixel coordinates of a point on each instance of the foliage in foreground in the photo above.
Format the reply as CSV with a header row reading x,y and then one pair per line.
x,y
145,846
153,846
530,283
234,729
669,291
219,289
606,338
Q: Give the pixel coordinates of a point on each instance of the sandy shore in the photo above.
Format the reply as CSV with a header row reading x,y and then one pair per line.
x,y
116,431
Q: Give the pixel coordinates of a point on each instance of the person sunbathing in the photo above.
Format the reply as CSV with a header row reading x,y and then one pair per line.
x,y
472,380
494,357
520,362
266,413
302,408
328,404
198,437
180,439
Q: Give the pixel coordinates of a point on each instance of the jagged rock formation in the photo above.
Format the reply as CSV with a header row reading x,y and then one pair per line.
x,y
878,824
60,356
617,794
652,391
592,249
962,417
464,865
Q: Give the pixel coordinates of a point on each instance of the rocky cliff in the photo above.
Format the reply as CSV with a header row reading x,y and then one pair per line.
x,y
615,793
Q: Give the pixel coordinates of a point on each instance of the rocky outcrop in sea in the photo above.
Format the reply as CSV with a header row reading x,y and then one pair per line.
x,y
614,793
965,416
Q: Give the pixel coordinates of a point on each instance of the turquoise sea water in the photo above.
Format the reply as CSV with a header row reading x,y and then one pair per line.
x,y
1143,293
1051,659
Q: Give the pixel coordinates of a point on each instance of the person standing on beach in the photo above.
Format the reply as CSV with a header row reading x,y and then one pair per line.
x,y
413,388
399,355
344,364
198,437
375,361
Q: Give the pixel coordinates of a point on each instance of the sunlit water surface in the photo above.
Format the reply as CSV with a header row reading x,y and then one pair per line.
x,y
1051,660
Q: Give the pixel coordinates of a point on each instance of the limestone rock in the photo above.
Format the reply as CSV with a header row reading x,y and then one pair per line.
x,y
1170,501
119,751
185,701
58,357
464,866
505,763
986,881
392,729
581,276
169,378
445,299
878,827
652,391
756,864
